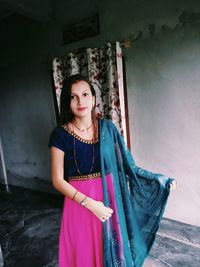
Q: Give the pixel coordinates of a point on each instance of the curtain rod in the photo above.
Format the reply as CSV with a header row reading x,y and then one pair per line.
x,y
126,43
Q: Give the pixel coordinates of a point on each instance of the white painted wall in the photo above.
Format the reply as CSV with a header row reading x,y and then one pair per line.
x,y
164,97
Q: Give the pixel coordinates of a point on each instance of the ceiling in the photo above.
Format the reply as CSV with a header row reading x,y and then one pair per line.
x,y
34,9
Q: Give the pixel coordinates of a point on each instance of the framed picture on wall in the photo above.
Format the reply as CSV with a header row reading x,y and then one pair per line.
x,y
81,30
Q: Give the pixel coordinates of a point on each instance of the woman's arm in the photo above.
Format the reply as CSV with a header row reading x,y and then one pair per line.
x,y
57,174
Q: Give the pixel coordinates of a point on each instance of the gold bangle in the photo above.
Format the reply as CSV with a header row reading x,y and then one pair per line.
x,y
74,195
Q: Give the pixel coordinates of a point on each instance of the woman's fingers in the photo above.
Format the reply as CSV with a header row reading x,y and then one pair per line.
x,y
107,215
173,185
100,210
104,219
110,210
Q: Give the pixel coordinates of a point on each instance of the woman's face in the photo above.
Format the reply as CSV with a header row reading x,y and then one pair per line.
x,y
82,100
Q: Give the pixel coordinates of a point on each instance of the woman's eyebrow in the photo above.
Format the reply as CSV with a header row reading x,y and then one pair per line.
x,y
87,90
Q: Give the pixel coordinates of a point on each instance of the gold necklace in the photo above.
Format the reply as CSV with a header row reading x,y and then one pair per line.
x,y
83,130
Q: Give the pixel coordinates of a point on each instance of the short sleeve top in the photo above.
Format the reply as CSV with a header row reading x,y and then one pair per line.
x,y
77,152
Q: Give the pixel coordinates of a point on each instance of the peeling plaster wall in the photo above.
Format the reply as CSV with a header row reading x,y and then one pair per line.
x,y
163,90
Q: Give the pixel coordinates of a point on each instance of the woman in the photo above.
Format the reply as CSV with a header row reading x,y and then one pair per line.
x,y
112,208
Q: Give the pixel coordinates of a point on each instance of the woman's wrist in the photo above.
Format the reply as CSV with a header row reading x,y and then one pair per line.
x,y
78,197
87,202
74,195
82,199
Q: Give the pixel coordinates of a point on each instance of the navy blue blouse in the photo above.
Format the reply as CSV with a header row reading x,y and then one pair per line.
x,y
63,139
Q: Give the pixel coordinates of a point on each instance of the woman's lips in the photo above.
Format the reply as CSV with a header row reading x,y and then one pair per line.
x,y
81,109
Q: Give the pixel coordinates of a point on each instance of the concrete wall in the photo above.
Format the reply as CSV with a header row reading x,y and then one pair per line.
x,y
163,90
26,108
164,96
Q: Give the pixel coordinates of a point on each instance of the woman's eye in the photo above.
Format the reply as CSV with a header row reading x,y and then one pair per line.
x,y
85,94
72,97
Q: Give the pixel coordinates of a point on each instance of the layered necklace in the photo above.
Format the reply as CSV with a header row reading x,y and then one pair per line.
x,y
74,150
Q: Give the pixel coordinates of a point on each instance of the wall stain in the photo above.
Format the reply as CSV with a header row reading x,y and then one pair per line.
x,y
186,18
152,28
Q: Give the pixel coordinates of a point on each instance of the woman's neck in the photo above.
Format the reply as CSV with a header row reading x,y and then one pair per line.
x,y
85,127
83,122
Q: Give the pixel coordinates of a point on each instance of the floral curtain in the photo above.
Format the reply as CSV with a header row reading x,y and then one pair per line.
x,y
103,67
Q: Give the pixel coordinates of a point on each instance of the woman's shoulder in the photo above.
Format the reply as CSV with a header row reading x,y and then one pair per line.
x,y
57,130
58,138
60,131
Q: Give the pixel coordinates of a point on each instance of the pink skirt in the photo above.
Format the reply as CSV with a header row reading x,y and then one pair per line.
x,y
81,232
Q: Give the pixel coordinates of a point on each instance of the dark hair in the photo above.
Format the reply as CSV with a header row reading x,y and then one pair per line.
x,y
65,98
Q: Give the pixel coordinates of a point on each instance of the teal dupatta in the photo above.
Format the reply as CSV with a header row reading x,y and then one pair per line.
x,y
140,198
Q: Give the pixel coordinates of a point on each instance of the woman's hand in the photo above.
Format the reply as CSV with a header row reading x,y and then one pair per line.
x,y
99,209
173,185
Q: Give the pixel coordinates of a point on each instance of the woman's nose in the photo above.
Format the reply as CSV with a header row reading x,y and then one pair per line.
x,y
80,101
